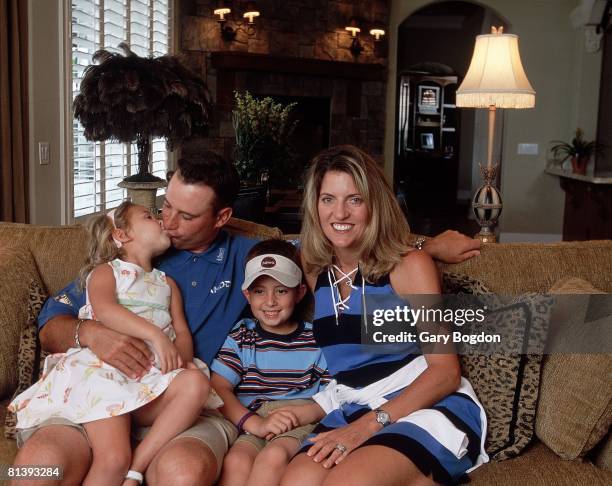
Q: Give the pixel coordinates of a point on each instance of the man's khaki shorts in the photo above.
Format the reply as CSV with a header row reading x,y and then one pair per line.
x,y
214,430
299,433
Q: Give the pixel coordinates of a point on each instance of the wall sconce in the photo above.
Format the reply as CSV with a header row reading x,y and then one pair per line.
x,y
228,33
251,12
354,28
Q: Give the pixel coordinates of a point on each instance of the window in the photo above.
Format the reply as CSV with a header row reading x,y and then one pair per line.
x,y
102,24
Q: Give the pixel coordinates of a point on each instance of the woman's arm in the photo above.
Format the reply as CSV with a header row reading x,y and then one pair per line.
x,y
183,342
417,274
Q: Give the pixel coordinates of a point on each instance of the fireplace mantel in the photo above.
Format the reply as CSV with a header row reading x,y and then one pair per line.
x,y
244,61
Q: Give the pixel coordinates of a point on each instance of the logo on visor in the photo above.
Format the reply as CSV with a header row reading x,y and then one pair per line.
x,y
268,262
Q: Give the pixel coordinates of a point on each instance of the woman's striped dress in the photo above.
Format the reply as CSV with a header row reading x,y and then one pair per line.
x,y
445,440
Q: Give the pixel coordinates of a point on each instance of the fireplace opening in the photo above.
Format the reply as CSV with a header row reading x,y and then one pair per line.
x,y
311,133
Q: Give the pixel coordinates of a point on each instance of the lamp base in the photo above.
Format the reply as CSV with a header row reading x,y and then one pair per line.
x,y
487,205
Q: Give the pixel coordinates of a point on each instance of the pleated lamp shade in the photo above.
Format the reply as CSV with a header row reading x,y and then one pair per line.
x,y
496,76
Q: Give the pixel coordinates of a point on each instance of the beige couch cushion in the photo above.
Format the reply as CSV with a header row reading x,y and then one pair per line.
x,y
516,268
575,408
538,465
17,269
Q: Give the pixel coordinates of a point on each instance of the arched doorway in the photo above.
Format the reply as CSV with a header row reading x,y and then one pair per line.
x,y
437,146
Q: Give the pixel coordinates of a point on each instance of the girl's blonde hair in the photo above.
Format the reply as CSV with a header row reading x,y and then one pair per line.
x,y
101,248
386,236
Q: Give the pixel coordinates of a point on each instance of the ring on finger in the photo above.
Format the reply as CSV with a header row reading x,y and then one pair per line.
x,y
340,447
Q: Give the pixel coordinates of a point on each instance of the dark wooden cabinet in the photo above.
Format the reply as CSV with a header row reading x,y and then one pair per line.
x,y
588,210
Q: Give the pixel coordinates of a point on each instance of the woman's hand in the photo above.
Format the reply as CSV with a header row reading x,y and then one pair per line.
x,y
271,426
169,356
330,448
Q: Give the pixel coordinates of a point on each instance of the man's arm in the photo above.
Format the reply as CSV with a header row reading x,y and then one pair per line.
x,y
452,247
57,328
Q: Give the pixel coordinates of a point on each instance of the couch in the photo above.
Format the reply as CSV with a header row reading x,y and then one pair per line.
x,y
54,255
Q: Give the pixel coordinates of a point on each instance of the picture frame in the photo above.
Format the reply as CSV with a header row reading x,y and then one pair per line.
x,y
428,98
427,141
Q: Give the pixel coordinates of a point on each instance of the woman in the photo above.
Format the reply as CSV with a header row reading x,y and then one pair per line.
x,y
427,429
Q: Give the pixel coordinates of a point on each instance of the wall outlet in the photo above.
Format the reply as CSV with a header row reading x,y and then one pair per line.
x,y
43,153
528,149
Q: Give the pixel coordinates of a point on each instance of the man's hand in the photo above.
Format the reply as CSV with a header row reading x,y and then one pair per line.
x,y
129,355
452,247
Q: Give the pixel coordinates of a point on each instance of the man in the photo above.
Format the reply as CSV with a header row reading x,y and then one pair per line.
x,y
208,266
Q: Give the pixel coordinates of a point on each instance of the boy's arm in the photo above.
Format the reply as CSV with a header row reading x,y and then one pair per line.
x,y
232,409
183,342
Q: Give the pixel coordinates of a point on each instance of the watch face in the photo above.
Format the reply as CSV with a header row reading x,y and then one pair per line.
x,y
383,417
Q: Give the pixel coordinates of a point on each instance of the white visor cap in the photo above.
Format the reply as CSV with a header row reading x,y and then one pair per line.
x,y
278,267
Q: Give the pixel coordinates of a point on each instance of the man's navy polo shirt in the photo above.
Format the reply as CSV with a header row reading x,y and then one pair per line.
x,y
210,285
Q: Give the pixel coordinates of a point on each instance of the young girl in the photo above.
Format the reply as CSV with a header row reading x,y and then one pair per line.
x,y
267,363
127,294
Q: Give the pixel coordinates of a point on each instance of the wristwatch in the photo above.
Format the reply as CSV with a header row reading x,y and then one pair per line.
x,y
382,417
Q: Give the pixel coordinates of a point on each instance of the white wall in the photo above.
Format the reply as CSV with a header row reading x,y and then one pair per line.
x,y
566,80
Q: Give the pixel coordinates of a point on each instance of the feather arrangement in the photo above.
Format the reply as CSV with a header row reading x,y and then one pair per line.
x,y
128,98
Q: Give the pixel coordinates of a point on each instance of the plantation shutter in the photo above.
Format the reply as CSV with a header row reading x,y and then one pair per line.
x,y
102,24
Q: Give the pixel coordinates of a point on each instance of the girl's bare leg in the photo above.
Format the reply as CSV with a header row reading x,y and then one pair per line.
x,y
112,452
169,415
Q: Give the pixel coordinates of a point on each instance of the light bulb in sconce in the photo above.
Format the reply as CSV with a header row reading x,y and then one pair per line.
x,y
221,12
377,33
251,12
353,27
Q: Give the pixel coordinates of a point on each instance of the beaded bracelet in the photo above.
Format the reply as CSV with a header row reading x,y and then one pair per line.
x,y
241,422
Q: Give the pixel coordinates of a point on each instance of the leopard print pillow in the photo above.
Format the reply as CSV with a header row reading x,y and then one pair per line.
x,y
507,384
30,357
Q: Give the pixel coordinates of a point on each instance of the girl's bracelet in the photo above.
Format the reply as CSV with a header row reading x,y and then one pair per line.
x,y
77,341
241,422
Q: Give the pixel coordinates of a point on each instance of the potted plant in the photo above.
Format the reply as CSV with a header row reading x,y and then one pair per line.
x,y
263,129
579,151
128,98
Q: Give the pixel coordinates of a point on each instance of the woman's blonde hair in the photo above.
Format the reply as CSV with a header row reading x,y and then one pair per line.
x,y
386,235
101,248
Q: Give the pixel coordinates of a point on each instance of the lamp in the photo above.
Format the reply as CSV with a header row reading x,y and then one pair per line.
x,y
251,12
495,79
354,29
377,33
228,33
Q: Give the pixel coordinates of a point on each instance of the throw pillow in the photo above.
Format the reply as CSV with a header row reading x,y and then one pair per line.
x,y
30,357
506,383
575,408
18,269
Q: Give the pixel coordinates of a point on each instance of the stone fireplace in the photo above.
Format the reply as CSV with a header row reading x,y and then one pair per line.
x,y
298,51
